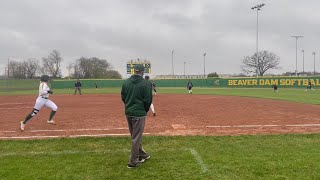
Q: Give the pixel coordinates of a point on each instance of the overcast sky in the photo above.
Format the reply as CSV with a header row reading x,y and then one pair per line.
x,y
121,30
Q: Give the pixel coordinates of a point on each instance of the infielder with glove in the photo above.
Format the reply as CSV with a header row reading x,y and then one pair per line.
x,y
42,100
309,86
189,86
77,87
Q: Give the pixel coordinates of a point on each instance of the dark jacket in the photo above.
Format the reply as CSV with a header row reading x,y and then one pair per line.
x,y
77,84
136,94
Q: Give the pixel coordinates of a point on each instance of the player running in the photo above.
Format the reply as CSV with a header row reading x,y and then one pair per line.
x,y
151,106
42,100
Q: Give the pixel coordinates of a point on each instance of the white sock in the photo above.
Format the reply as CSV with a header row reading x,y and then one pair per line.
x,y
152,108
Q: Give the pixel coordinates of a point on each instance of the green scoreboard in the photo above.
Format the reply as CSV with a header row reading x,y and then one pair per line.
x,y
131,64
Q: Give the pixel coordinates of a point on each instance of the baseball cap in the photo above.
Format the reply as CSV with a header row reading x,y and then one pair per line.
x,y
139,68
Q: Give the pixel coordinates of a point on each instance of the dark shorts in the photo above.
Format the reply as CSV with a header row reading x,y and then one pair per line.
x,y
189,88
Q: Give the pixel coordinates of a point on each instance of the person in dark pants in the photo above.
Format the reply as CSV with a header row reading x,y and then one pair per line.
x,y
309,86
77,87
189,86
136,94
96,85
154,88
275,88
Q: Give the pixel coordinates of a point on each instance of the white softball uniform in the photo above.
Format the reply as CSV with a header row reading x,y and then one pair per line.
x,y
43,98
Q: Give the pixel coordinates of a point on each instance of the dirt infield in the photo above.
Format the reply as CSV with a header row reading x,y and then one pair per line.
x,y
103,115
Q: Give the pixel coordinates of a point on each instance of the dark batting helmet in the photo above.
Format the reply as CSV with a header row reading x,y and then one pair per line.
x,y
147,77
44,78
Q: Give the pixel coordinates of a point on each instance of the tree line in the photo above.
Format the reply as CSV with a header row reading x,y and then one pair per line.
x,y
84,68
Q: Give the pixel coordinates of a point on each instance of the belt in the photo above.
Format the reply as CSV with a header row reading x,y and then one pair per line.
x,y
44,97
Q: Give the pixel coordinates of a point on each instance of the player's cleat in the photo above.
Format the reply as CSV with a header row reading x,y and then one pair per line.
x,y
22,125
51,122
134,164
154,114
144,158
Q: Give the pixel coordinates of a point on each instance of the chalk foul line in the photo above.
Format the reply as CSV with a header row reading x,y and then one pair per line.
x,y
66,130
69,136
198,159
268,125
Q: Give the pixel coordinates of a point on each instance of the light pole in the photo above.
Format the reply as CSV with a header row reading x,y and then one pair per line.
x,y
314,63
204,65
5,71
258,8
184,69
302,60
172,63
297,37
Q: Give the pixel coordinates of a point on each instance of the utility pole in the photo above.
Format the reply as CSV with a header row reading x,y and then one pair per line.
x,y
302,60
314,63
184,69
297,37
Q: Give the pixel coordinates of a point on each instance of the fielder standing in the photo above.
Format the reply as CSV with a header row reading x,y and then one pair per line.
x,y
189,86
136,94
275,88
42,100
154,90
77,87
309,86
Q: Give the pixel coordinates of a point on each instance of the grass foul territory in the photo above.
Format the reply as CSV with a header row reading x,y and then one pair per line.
x,y
238,157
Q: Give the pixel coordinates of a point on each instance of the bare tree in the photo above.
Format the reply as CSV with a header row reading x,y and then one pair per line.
x,y
267,60
17,70
52,64
69,68
91,67
94,68
112,74
31,67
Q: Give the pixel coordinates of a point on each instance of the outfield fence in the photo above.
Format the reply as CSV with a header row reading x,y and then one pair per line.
x,y
263,82
18,84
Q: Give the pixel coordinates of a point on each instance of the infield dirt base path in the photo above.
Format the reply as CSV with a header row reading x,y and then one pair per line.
x,y
103,115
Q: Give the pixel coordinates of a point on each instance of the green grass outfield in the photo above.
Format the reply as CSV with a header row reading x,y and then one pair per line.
x,y
196,157
295,95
